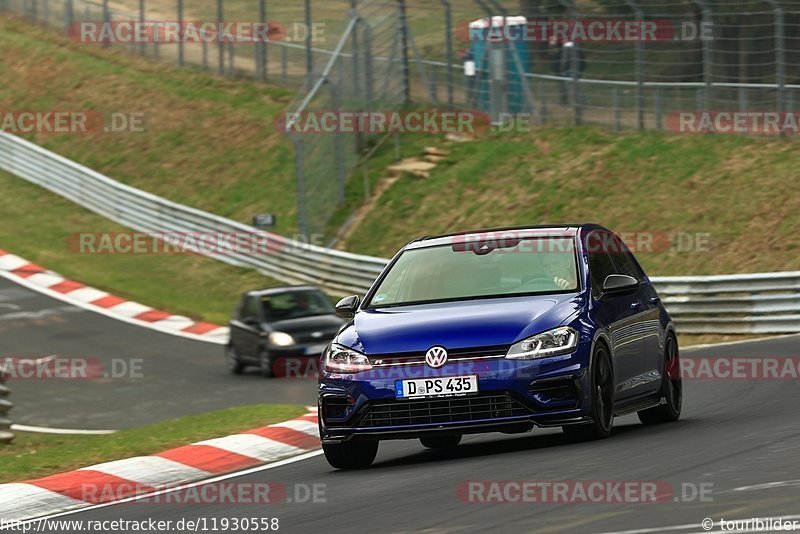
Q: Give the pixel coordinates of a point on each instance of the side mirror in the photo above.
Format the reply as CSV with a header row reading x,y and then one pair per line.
x,y
346,308
619,282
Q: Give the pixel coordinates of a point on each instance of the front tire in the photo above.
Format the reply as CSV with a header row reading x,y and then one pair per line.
x,y
441,442
265,364
351,454
235,366
602,400
671,388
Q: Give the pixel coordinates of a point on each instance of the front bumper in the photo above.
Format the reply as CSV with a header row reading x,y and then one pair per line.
x,y
514,396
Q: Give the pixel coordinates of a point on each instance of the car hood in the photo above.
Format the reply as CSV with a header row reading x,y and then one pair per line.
x,y
457,325
322,323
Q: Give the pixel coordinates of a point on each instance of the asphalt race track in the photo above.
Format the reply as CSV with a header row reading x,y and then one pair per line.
x,y
734,434
151,376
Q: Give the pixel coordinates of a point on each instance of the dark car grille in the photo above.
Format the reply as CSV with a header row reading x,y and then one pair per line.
x,y
453,354
451,410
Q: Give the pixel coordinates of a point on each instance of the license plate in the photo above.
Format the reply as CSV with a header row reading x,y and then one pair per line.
x,y
316,349
447,386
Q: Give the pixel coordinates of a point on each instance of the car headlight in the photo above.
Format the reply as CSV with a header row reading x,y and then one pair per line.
x,y
340,359
281,339
562,340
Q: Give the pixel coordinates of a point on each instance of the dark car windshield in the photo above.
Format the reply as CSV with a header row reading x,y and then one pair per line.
x,y
295,305
461,271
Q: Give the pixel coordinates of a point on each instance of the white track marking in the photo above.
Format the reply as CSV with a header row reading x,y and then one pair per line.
x,y
65,431
220,337
16,499
152,471
182,487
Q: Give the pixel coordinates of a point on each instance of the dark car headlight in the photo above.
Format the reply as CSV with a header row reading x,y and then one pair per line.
x,y
340,359
561,340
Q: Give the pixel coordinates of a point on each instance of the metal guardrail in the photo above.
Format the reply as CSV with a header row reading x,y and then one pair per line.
x,y
736,304
6,436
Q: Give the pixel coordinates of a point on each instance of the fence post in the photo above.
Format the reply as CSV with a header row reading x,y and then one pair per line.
x,y
181,59
142,45
309,44
706,22
448,39
639,63
46,12
616,105
6,436
302,219
69,15
220,43
659,110
106,20
403,21
780,57
261,46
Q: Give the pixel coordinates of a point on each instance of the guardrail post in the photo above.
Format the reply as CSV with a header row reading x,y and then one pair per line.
x,y
6,436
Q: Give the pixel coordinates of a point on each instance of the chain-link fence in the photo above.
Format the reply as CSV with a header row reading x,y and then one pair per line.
x,y
622,64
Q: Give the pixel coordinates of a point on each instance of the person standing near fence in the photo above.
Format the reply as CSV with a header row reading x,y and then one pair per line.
x,y
572,65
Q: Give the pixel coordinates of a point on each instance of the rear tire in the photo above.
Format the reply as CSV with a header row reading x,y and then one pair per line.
x,y
235,366
671,388
602,400
441,442
351,454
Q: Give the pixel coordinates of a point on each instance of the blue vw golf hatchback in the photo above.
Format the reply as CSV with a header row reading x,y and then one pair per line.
x,y
498,331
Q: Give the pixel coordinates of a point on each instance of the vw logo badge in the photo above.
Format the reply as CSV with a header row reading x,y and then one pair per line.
x,y
436,357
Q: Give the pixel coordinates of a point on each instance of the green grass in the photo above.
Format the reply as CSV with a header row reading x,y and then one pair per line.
x,y
208,142
39,226
742,191
37,455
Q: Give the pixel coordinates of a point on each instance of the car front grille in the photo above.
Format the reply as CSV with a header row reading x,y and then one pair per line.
x,y
450,410
409,358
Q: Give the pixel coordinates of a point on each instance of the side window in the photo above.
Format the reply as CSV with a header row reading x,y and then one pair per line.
x,y
248,308
623,259
601,264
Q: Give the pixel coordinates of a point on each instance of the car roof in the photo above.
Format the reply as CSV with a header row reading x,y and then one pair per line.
x,y
549,230
280,290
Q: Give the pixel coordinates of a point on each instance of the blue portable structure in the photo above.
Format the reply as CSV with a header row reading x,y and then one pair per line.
x,y
495,76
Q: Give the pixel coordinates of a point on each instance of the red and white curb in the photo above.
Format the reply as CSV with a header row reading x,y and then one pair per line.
x,y
121,479
37,278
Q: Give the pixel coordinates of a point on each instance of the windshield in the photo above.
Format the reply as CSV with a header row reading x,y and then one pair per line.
x,y
480,270
295,305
